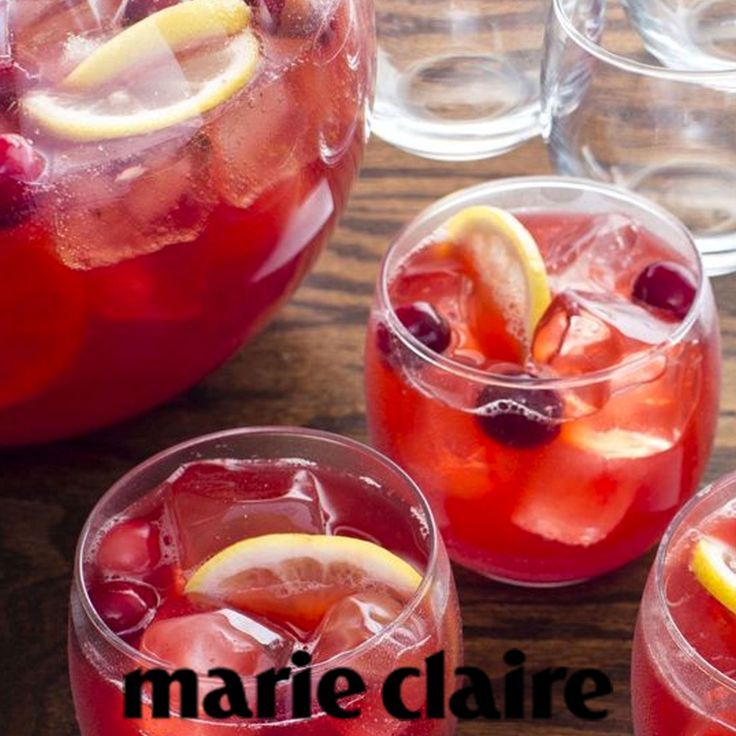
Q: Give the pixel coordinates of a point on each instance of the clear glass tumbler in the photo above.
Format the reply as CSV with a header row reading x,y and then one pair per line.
x,y
132,607
629,425
458,80
611,111
682,674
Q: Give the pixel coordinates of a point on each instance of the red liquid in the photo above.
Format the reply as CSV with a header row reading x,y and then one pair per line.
x,y
672,694
629,449
147,261
151,549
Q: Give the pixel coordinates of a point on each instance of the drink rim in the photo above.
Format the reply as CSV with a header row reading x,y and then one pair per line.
x,y
727,482
429,572
631,65
442,209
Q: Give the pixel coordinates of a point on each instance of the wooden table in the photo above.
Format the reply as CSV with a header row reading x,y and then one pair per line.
x,y
306,369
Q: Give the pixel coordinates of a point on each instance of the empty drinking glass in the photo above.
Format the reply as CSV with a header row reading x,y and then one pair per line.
x,y
611,111
458,80
700,32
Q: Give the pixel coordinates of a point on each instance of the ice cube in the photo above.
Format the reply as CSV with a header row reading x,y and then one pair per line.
x,y
579,513
215,504
131,547
572,340
583,332
352,621
360,617
260,140
649,407
633,321
134,206
222,638
572,514
592,254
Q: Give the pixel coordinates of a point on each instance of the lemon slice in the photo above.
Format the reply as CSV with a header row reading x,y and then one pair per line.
x,y
615,443
172,28
108,96
297,578
508,263
711,566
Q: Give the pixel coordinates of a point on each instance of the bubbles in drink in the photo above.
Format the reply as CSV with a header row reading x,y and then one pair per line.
x,y
261,149
141,205
48,35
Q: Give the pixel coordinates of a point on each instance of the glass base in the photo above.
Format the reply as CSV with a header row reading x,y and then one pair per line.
x,y
527,584
459,107
470,564
701,35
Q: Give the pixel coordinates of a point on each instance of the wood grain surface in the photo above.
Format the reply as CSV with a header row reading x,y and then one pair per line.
x,y
305,369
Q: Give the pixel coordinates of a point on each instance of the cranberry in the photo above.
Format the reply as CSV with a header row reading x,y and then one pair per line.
x,y
520,417
136,10
124,605
20,166
129,548
426,325
666,285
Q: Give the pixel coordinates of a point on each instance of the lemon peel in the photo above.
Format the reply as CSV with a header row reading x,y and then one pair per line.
x,y
710,565
508,262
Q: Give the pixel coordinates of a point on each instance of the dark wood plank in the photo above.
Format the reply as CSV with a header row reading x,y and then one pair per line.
x,y
305,369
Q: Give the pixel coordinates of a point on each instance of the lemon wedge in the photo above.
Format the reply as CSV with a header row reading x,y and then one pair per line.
x,y
296,578
615,443
508,263
109,95
173,28
711,566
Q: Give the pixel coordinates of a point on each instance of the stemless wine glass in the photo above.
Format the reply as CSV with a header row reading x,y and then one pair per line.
x,y
458,80
682,631
189,502
627,443
612,112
